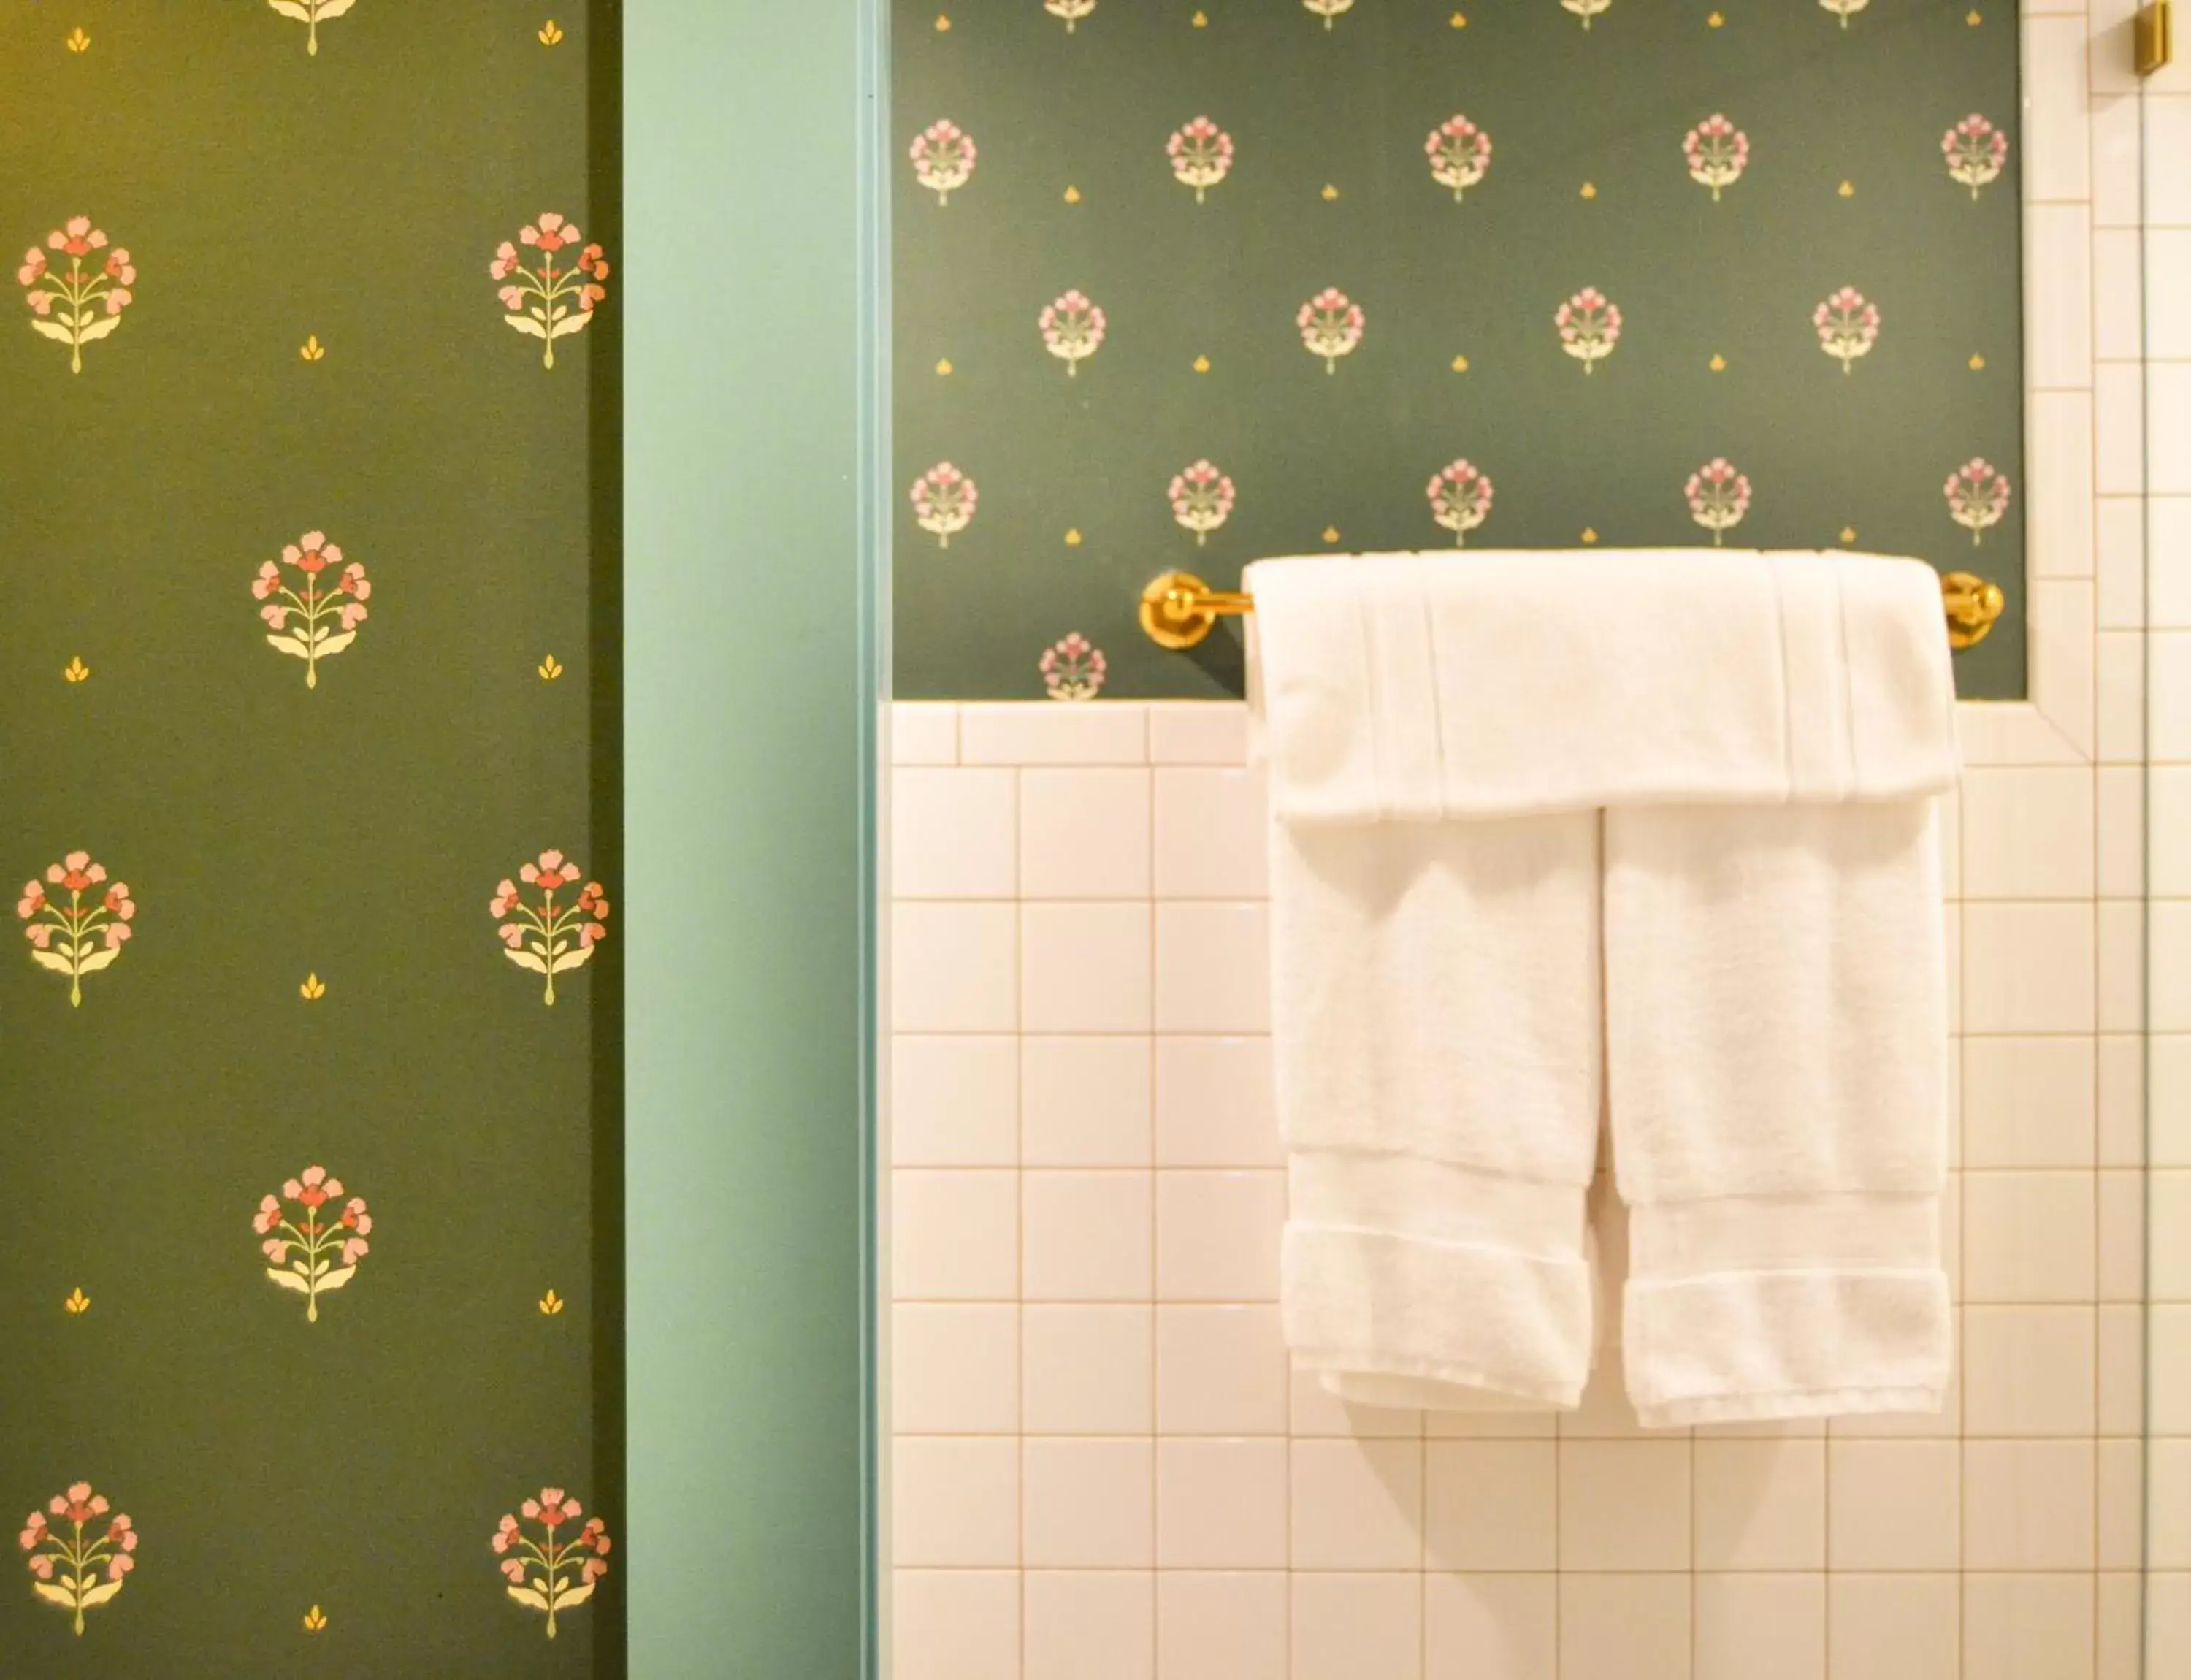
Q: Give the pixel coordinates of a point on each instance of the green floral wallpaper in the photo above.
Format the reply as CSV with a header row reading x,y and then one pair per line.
x,y
1187,282
309,1122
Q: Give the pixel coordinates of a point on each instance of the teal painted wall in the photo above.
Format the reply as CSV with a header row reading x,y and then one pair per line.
x,y
746,724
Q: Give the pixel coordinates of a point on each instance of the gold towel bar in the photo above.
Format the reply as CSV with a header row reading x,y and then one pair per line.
x,y
1178,609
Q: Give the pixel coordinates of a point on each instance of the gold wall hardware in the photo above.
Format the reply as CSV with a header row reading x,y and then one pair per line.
x,y
2154,36
1179,610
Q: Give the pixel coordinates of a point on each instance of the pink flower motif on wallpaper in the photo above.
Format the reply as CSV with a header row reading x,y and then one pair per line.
x,y
943,155
77,305
1460,154
1071,10
943,502
1978,495
317,1249
1975,152
540,1570
1201,155
1328,9
547,937
1587,9
1590,326
315,615
1073,328
83,1568
312,13
1460,499
1073,668
1716,152
1718,496
1201,500
1331,326
545,301
1848,326
82,936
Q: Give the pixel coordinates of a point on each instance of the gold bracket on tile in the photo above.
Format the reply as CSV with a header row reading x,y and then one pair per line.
x,y
2154,36
1179,610
1973,605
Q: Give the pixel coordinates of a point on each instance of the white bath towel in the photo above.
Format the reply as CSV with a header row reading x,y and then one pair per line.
x,y
1554,833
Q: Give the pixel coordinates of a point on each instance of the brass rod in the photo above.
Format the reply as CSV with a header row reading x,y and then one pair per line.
x,y
1179,610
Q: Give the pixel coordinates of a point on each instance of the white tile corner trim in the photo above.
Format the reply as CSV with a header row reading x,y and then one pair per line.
x,y
1102,1464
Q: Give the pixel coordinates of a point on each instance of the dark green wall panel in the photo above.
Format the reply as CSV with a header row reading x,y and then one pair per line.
x,y
1845,185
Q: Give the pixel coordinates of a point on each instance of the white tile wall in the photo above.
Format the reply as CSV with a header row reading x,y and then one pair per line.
x,y
1103,1468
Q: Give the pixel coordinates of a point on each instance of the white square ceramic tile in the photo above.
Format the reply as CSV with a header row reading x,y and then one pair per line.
x,y
1317,1411
1214,1105
2168,410
2034,1625
2026,1102
1221,1504
1198,731
1897,1504
953,968
1624,1505
2060,617
2028,1505
1605,1413
1084,1102
2121,978
2118,189
2168,1514
2168,1364
2028,1236
1085,967
1088,1504
1213,972
1086,1370
1760,1505
2119,696
2168,132
2169,1209
1220,1370
1760,1627
954,1236
1221,1626
1945,1424
1491,1628
2168,282
2058,293
924,731
2120,1627
955,1624
2168,562
1893,1627
954,1099
2168,1623
954,1369
2120,531
1624,1627
951,834
1083,833
1218,1235
2120,831
2028,968
2118,1524
1088,1236
1357,1505
2119,420
2028,833
2122,1100
2026,1370
2120,1355
955,1502
2118,291
2168,958
2056,110
1492,1505
2122,1253
2169,787
2170,1073
1044,731
1212,833
1358,1626
1095,1627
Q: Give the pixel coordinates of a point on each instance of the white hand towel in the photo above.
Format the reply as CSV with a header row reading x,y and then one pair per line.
x,y
1714,770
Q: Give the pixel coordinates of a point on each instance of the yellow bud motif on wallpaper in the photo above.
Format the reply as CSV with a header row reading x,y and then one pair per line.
x,y
1460,364
311,349
77,1304
315,1619
1072,195
1073,538
78,42
75,671
1330,533
1202,19
1330,192
550,668
942,24
1977,363
550,33
313,989
1589,189
1719,364
1201,364
312,13
1716,20
943,367
1459,20
550,1304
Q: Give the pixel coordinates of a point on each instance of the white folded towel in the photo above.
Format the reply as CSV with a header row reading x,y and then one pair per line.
x,y
1555,832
